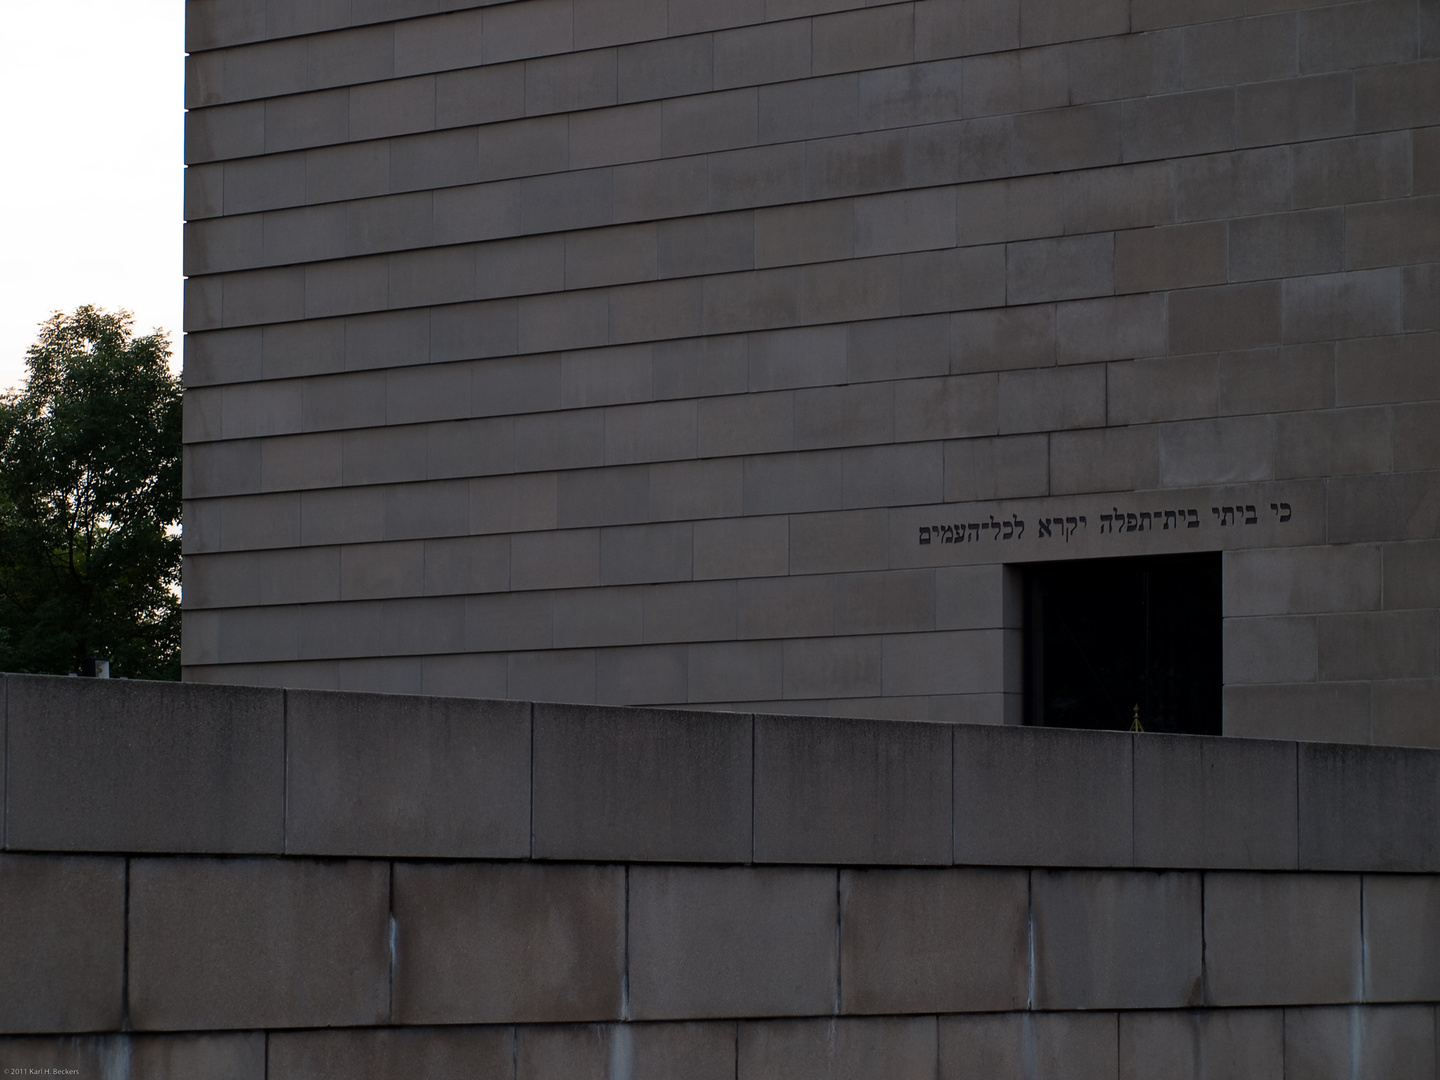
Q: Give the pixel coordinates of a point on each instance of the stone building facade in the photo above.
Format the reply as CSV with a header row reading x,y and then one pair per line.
x,y
750,354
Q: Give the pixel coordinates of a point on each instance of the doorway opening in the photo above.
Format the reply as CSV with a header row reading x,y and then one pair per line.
x,y
1125,644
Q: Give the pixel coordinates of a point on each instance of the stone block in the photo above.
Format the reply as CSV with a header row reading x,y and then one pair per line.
x,y
643,553
442,1053
933,282
1225,185
997,468
1003,338
422,777
62,943
1391,644
644,675
1048,400
757,301
1318,712
641,786
1116,940
1284,245
1369,808
666,68
557,930
852,541
1043,798
758,176
1224,451
851,792
1271,650
1394,231
1405,712
844,415
1244,1044
809,356
1302,580
904,221
855,164
785,607
1273,939
1277,380
1107,328
1012,82
917,941
741,547
560,675
705,123
1104,459
1018,209
1134,65
654,431
1402,937
1333,442
900,1047
1360,170
1168,388
731,942
753,55
713,244
1172,257
1044,21
136,766
601,617
1390,507
964,27
898,348
1294,110
1060,269
846,667
1409,575
1225,317
1172,125
736,671
1240,51
700,367
239,1056
1043,1045
1362,35
1360,1041
252,943
894,601
867,38
868,289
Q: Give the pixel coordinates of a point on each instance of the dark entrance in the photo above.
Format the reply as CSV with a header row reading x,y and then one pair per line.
x,y
1105,637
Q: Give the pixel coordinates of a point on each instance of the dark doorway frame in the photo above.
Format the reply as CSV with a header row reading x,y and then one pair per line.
x,y
1125,643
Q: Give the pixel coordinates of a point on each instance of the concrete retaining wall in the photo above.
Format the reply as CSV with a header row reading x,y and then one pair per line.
x,y
209,882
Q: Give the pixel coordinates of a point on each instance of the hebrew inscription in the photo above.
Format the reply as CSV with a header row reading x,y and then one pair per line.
x,y
1116,521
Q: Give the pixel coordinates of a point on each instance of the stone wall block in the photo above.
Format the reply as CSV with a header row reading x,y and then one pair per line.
x,y
505,943
917,941
1121,940
1217,803
1369,808
851,792
846,1049
62,943
254,943
143,766
1032,797
429,777
736,942
1282,939
641,786
444,1053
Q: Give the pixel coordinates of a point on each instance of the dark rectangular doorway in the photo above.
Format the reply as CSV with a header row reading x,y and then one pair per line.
x,y
1110,640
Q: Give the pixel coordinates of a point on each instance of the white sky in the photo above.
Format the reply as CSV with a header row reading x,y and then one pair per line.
x,y
91,173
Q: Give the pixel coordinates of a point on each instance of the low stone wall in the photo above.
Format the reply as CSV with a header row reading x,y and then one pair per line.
x,y
216,882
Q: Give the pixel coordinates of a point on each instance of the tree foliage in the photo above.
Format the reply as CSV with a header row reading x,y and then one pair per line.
x,y
90,454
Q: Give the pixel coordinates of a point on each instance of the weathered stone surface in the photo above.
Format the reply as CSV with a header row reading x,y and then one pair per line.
x,y
557,932
255,943
389,775
612,784
830,791
134,766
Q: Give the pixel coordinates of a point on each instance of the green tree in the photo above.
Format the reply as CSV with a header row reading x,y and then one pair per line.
x,y
90,501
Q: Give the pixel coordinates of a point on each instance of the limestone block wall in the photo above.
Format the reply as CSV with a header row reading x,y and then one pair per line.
x,y
226,883
654,351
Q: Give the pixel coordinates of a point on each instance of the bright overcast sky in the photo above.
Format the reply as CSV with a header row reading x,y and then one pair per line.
x,y
92,130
